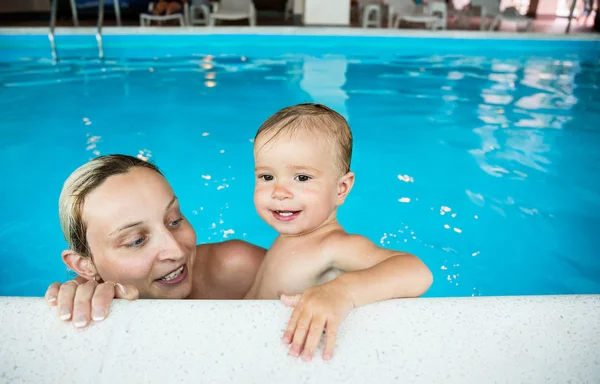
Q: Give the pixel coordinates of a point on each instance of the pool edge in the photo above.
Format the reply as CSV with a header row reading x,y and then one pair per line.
x,y
518,339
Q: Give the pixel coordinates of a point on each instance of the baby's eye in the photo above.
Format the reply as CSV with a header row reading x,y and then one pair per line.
x,y
266,177
303,178
175,223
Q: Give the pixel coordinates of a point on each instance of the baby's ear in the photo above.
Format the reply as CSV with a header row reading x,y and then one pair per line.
x,y
81,265
344,187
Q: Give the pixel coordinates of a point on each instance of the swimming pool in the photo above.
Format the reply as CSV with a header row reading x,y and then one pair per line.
x,y
478,155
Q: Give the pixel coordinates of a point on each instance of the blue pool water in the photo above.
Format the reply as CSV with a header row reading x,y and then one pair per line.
x,y
479,156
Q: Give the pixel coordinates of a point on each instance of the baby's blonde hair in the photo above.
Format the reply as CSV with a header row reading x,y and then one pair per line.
x,y
81,183
315,118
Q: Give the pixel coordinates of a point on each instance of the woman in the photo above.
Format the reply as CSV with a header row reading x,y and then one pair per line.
x,y
122,223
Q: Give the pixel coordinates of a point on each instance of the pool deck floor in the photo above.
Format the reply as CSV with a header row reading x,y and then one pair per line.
x,y
545,25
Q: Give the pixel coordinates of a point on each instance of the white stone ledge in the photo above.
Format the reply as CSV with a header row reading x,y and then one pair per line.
x,y
529,339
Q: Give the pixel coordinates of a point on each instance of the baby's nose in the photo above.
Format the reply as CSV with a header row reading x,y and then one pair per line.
x,y
280,192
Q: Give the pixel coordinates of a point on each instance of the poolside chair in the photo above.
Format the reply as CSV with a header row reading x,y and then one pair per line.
x,y
370,12
288,13
511,14
486,8
82,4
233,10
433,15
199,12
491,9
148,17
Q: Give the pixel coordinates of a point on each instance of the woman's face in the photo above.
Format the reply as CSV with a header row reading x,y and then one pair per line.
x,y
137,234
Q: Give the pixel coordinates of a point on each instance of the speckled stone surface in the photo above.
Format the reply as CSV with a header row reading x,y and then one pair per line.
x,y
550,339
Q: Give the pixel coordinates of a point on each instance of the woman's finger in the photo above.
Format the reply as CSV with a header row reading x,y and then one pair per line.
x,y
66,296
52,293
101,299
128,292
82,305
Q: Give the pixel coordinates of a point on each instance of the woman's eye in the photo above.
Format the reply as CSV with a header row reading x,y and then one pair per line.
x,y
266,177
137,242
303,178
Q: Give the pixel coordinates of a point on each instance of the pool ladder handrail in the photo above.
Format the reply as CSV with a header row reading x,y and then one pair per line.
x,y
52,27
570,17
98,30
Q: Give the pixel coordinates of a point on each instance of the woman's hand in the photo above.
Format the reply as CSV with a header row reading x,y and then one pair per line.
x,y
318,308
81,300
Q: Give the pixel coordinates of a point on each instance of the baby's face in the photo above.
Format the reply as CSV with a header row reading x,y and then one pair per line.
x,y
297,183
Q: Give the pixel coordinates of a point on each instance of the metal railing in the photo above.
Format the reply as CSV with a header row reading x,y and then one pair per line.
x,y
52,26
51,33
99,30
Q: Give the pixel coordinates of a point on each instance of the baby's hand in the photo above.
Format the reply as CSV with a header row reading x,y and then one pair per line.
x,y
80,300
320,307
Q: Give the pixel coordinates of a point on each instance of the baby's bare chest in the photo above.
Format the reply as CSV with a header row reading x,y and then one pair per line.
x,y
290,270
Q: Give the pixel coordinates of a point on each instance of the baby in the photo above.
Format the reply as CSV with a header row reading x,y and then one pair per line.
x,y
302,165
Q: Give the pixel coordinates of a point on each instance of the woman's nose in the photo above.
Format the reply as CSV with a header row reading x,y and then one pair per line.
x,y
171,248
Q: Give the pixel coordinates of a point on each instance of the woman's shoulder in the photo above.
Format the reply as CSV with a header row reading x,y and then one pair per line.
x,y
231,265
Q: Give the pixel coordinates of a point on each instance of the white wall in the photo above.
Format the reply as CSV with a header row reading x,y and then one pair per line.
x,y
551,339
326,12
298,7
547,7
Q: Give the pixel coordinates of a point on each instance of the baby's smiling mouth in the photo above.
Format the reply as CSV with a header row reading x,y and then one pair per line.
x,y
285,215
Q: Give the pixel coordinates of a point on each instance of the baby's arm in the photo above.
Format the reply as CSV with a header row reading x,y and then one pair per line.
x,y
375,273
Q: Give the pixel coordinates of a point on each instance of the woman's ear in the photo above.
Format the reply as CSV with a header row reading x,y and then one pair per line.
x,y
83,266
344,187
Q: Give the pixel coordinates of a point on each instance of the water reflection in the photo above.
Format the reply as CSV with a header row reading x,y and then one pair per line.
x,y
323,79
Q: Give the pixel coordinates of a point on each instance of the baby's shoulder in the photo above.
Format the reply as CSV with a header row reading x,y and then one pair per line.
x,y
340,240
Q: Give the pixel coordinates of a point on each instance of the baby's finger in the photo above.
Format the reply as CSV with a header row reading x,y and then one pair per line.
x,y
52,293
332,329
314,336
291,327
83,304
290,301
66,295
300,334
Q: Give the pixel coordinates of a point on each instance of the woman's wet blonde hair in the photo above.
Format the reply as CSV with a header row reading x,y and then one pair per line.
x,y
80,183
